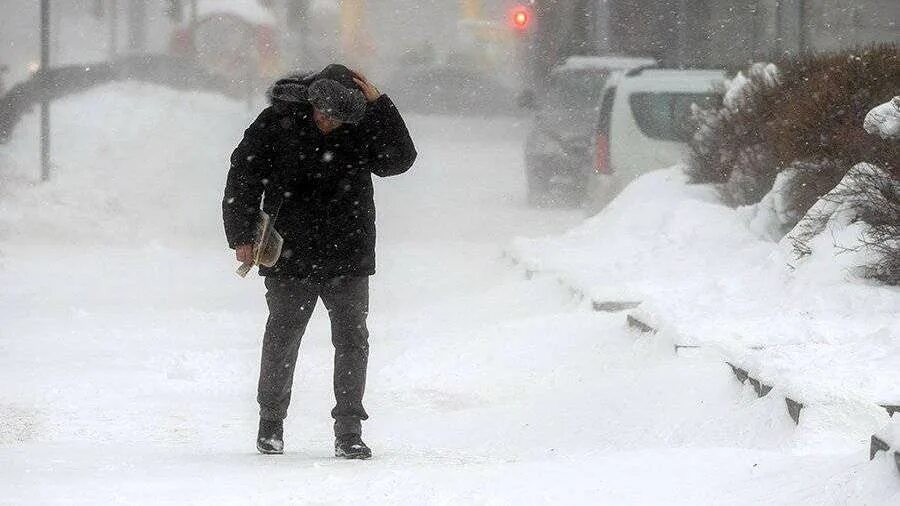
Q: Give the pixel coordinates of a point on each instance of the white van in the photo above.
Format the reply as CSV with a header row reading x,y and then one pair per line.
x,y
559,147
644,125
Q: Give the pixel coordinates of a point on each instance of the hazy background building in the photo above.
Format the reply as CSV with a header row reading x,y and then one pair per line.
x,y
707,33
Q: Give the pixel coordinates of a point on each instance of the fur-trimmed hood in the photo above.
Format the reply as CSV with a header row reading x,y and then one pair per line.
x,y
291,88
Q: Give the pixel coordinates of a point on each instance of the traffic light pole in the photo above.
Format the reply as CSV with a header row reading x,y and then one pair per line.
x,y
45,90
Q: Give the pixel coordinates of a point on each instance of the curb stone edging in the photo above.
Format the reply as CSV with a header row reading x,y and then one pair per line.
x,y
613,306
794,407
876,444
638,325
741,374
761,388
880,445
600,306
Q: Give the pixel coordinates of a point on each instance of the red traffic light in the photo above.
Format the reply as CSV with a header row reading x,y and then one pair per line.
x,y
520,17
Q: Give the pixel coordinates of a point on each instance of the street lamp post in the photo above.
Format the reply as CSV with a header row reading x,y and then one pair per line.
x,y
45,90
137,26
193,12
113,29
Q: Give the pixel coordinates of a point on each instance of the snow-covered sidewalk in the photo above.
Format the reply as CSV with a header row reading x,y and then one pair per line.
x,y
704,275
129,350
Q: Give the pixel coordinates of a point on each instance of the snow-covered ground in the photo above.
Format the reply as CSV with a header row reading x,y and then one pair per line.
x,y
702,272
129,349
707,275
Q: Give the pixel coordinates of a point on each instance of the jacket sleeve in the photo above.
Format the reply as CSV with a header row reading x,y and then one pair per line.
x,y
390,147
251,165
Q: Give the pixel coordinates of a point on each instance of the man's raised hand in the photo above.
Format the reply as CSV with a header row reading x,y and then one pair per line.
x,y
369,90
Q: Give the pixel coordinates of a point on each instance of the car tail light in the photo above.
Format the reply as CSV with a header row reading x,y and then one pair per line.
x,y
601,160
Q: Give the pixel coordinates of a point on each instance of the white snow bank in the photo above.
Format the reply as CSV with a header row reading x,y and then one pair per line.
x,y
773,215
135,170
706,277
884,120
646,241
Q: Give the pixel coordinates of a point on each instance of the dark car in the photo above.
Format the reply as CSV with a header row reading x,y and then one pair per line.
x,y
558,149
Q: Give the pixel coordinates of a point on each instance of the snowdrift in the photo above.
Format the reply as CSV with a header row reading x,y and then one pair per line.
x,y
706,275
134,171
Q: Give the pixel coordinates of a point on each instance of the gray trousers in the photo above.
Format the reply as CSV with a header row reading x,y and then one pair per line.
x,y
291,302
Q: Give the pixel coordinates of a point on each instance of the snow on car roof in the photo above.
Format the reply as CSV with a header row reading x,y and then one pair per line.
x,y
680,73
248,10
691,80
580,63
656,77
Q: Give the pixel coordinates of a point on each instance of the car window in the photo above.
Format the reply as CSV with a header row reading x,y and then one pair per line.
x,y
573,97
580,89
666,116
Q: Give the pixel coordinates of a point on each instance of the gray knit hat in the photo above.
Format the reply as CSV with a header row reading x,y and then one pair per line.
x,y
336,100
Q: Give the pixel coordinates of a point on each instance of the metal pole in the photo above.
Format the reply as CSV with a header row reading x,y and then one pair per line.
x,y
137,26
113,29
779,27
193,12
681,34
601,29
45,90
55,16
802,39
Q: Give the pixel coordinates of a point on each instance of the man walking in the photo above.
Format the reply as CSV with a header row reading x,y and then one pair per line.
x,y
309,159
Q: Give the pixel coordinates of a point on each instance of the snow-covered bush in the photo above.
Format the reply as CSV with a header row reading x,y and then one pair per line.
x,y
730,148
784,139
858,221
808,112
780,209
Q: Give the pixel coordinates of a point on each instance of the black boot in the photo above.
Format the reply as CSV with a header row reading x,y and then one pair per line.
x,y
351,446
270,440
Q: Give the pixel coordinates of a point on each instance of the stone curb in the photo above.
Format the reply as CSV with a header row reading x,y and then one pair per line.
x,y
794,407
880,445
600,306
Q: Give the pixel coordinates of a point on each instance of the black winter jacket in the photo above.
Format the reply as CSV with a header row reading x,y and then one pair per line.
x,y
319,185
